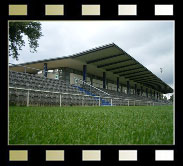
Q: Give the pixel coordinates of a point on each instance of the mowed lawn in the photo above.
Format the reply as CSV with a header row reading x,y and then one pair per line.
x,y
91,125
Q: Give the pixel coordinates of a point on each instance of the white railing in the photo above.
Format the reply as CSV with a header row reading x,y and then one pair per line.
x,y
108,99
91,86
60,93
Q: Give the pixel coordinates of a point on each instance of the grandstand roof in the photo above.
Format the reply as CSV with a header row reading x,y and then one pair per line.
x,y
108,58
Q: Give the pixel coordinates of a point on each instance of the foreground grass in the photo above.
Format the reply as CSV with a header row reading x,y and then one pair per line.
x,y
91,125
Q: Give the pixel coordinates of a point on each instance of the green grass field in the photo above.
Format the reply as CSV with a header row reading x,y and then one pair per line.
x,y
91,125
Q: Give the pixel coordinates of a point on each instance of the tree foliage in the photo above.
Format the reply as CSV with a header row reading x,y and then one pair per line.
x,y
165,98
171,98
16,31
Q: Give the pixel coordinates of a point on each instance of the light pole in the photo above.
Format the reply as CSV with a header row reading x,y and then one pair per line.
x,y
161,70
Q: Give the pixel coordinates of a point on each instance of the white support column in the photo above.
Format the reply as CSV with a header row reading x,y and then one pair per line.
x,y
28,98
60,100
82,100
99,101
128,103
111,101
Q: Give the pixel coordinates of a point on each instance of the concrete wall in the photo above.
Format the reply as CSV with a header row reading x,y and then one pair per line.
x,y
97,83
72,79
49,75
124,89
52,75
112,86
73,76
132,91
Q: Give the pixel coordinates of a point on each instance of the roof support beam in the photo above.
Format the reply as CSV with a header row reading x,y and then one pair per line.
x,y
117,84
101,59
148,85
123,71
84,72
151,84
112,63
45,69
160,88
104,80
148,79
145,78
120,67
144,84
151,80
139,76
156,83
133,72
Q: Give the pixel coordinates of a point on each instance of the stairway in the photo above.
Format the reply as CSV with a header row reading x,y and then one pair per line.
x,y
103,102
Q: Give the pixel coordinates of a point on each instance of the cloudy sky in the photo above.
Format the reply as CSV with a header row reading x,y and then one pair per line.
x,y
149,42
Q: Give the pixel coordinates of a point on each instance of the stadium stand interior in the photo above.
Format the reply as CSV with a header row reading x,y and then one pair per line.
x,y
30,89
101,76
41,91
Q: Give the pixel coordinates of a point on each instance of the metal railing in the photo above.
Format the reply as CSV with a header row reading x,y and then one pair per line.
x,y
51,92
112,101
81,83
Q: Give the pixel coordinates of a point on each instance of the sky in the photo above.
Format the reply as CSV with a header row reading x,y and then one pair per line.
x,y
150,42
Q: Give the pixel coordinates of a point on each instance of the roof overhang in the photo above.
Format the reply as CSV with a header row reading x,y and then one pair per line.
x,y
110,59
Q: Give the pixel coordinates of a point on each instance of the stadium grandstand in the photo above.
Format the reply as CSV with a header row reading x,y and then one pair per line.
x,y
103,76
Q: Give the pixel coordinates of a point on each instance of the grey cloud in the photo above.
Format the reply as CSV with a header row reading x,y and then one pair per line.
x,y
150,42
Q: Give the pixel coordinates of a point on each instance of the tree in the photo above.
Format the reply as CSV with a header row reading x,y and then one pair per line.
x,y
16,30
171,98
165,98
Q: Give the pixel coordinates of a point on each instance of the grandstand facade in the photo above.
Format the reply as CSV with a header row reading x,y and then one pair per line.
x,y
106,75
